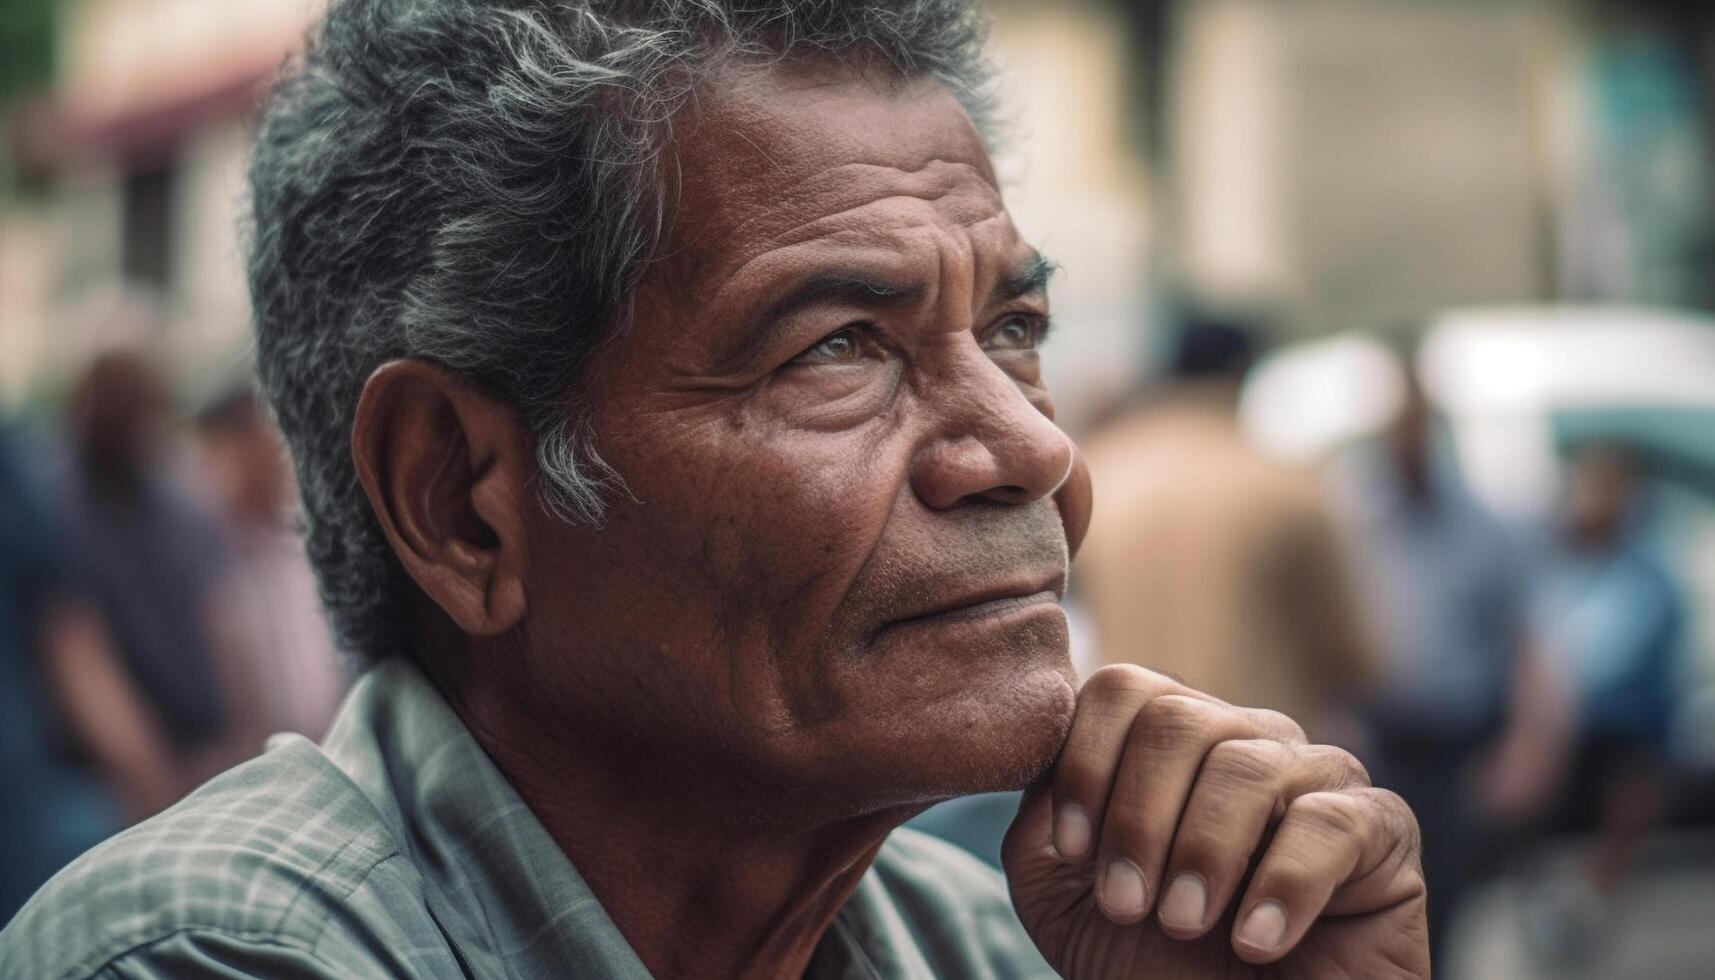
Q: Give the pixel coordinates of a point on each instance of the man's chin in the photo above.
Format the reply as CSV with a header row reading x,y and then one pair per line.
x,y
992,737
950,714
1019,736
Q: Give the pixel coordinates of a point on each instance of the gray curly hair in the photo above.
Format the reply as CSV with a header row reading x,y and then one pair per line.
x,y
478,184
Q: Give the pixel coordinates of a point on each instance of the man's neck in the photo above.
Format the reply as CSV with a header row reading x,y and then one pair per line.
x,y
701,878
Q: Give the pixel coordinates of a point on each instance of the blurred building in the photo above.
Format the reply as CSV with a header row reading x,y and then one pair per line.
x,y
128,171
1335,163
1355,163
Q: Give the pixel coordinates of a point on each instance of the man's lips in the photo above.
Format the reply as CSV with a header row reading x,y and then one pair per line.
x,y
987,603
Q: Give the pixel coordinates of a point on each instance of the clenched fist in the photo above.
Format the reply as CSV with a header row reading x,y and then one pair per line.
x,y
1180,836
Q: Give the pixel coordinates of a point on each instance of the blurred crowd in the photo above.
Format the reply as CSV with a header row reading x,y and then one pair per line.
x,y
158,619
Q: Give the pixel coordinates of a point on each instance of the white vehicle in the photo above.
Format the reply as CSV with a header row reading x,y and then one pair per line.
x,y
1516,386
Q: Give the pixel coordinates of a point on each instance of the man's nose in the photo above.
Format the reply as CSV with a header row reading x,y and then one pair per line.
x,y
993,444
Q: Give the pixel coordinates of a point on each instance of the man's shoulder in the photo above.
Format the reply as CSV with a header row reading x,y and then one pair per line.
x,y
267,852
956,906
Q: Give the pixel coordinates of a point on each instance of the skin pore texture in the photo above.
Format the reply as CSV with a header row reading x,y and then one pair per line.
x,y
827,596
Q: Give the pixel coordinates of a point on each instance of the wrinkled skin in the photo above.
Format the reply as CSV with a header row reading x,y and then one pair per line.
x,y
828,596
1162,779
819,476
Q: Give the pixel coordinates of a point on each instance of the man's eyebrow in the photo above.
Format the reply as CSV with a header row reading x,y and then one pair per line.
x,y
832,288
1030,279
839,289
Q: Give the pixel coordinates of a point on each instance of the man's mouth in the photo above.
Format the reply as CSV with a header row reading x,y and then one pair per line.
x,y
992,602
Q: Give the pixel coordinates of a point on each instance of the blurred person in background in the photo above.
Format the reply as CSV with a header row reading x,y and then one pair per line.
x,y
51,807
153,564
298,674
1211,561
1611,619
1463,719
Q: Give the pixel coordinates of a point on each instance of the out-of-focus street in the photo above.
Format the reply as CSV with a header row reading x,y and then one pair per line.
x,y
1662,931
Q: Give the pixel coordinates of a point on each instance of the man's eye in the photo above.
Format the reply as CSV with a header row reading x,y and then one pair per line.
x,y
1017,331
836,348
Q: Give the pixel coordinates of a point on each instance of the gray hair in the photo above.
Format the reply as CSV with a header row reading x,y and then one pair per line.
x,y
478,184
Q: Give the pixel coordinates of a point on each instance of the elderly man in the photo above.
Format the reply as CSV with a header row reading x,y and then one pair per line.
x,y
662,380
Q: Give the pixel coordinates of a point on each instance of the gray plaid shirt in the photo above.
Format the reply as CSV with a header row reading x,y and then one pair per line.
x,y
398,850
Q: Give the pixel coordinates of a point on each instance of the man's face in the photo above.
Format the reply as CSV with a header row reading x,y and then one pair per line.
x,y
839,563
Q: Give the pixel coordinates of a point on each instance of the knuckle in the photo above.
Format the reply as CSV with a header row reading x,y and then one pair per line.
x,y
1243,763
1333,816
1171,722
1343,765
1278,725
1399,823
1121,679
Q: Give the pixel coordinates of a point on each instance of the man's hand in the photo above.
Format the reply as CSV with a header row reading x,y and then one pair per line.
x,y
1183,837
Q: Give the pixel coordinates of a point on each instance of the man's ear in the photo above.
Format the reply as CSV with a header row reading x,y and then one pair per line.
x,y
448,471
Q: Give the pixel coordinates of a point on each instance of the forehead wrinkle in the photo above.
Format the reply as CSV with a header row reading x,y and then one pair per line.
x,y
966,261
856,186
891,236
879,248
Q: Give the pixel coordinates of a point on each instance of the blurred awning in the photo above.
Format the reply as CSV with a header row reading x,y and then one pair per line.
x,y
50,135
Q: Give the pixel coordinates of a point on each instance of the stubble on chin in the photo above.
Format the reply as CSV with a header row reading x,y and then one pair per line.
x,y
1043,727
1017,738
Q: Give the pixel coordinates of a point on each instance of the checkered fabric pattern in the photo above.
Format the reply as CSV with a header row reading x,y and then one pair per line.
x,y
397,849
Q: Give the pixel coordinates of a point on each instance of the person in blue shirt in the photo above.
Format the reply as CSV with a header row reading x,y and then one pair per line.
x,y
1611,620
1459,705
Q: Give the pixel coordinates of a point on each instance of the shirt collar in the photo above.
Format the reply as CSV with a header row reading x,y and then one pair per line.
x,y
495,881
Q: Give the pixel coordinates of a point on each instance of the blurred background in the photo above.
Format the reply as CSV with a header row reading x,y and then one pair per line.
x,y
1388,327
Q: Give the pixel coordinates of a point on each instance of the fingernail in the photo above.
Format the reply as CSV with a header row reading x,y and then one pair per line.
x,y
1265,927
1185,902
1123,890
1072,832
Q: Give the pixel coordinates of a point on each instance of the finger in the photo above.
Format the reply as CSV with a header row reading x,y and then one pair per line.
x,y
1164,750
1348,842
1278,726
1393,873
1029,838
1243,787
1084,772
